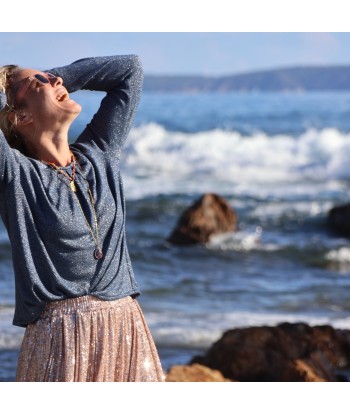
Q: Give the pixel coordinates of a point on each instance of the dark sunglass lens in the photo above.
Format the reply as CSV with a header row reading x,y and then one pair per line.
x,y
41,78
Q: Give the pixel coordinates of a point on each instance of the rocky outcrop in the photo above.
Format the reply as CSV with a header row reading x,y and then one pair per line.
x,y
339,219
306,370
288,352
194,373
208,216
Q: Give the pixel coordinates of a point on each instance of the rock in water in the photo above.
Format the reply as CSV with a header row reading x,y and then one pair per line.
x,y
339,219
288,352
208,216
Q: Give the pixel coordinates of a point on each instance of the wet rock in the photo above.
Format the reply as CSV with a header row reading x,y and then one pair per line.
x,y
287,352
208,216
305,370
194,373
339,219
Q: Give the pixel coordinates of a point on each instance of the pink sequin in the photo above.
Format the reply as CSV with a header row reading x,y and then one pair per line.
x,y
89,340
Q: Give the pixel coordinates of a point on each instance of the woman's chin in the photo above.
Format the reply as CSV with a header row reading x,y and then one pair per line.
x,y
70,109
72,106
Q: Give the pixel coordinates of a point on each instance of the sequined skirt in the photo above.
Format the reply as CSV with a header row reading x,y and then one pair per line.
x,y
89,340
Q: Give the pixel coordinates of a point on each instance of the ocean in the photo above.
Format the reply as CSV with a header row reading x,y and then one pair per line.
x,y
282,161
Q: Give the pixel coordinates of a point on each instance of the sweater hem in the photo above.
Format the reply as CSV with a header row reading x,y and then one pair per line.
x,y
131,293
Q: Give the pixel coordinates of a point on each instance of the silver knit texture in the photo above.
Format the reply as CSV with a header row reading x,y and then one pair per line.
x,y
52,247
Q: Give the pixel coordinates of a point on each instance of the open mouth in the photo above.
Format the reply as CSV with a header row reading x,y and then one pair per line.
x,y
62,97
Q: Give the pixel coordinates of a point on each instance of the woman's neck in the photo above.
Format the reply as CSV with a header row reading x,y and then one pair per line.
x,y
61,157
51,149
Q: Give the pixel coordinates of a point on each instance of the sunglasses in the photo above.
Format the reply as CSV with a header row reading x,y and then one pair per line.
x,y
41,79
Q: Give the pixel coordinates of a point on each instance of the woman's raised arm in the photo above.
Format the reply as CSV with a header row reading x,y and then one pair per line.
x,y
121,77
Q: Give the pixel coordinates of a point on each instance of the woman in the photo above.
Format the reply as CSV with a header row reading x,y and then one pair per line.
x,y
64,210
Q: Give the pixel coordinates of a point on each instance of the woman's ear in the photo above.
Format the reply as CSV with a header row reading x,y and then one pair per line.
x,y
24,119
20,119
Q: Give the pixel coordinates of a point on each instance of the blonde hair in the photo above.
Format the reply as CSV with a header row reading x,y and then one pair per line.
x,y
9,128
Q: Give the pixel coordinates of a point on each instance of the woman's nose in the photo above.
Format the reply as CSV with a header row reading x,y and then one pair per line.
x,y
56,81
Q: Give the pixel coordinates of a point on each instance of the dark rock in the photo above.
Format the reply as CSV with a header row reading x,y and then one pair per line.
x,y
209,215
339,219
287,352
312,369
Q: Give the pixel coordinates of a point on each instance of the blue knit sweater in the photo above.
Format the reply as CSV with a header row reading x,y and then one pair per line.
x,y
52,246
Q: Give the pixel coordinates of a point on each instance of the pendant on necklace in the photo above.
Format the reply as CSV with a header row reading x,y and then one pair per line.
x,y
98,254
73,186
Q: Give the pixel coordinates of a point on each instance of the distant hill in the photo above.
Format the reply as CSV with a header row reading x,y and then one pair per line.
x,y
308,78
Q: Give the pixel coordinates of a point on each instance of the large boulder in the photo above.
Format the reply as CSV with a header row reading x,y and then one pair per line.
x,y
208,216
287,352
339,219
306,370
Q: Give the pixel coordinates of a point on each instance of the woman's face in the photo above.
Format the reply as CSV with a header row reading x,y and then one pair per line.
x,y
45,102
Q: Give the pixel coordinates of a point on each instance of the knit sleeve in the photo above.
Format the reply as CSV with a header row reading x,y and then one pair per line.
x,y
121,78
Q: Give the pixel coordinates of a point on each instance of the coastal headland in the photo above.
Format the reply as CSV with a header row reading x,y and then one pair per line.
x,y
299,78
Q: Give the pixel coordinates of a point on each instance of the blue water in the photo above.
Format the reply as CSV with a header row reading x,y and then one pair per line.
x,y
281,161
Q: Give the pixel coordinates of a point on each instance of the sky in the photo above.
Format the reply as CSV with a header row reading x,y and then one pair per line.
x,y
180,53
182,37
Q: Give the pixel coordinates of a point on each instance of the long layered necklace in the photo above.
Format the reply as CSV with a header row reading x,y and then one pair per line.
x,y
98,253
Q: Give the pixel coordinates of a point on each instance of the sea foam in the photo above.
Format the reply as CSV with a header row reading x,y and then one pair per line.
x,y
201,331
166,161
